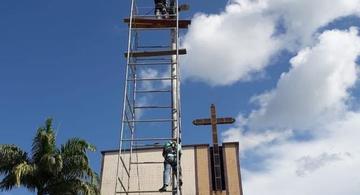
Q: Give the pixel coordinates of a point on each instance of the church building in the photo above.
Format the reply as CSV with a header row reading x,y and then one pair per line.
x,y
197,170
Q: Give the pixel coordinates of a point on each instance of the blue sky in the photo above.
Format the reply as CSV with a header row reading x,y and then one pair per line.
x,y
64,59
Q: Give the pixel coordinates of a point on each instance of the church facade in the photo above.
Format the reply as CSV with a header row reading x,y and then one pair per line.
x,y
197,170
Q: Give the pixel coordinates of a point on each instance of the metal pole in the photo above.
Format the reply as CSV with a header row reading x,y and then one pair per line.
x,y
125,94
175,90
174,81
178,160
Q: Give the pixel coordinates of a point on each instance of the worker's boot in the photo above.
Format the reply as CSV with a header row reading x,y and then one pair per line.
x,y
180,184
158,14
158,10
164,12
163,189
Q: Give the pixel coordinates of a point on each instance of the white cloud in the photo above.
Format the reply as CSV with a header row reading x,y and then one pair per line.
x,y
148,73
313,95
251,140
326,165
308,164
316,88
230,46
151,99
241,41
154,73
331,165
303,18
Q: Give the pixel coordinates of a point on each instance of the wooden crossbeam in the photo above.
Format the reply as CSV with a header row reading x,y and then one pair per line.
x,y
156,23
155,53
207,121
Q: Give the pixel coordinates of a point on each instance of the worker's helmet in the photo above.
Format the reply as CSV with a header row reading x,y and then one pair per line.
x,y
169,144
170,147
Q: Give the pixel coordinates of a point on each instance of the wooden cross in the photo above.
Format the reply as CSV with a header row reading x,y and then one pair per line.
x,y
213,121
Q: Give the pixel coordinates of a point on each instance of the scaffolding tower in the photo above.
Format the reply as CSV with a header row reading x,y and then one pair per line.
x,y
151,106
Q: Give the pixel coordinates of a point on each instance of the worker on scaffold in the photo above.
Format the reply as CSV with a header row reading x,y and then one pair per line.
x,y
170,151
160,9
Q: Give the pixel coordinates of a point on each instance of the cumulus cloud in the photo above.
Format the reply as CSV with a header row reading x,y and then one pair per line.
x,y
251,140
322,166
301,19
240,42
316,88
149,85
314,94
154,73
326,165
308,164
230,46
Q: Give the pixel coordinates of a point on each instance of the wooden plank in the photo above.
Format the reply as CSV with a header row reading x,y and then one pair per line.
x,y
156,23
207,121
226,120
155,53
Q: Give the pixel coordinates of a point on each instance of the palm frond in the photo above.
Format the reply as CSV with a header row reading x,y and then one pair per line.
x,y
77,166
76,163
63,171
10,156
76,146
51,163
8,182
48,124
44,141
86,188
73,186
23,170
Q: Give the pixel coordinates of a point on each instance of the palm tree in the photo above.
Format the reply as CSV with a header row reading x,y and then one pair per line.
x,y
49,170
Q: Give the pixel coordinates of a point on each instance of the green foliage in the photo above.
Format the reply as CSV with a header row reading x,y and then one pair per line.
x,y
49,170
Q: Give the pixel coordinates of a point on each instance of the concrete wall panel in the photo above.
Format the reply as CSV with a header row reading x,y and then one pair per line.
x,y
146,177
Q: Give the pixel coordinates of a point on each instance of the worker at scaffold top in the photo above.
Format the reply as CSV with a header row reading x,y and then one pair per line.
x,y
160,9
170,151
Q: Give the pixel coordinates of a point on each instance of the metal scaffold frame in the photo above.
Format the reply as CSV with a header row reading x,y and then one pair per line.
x,y
139,56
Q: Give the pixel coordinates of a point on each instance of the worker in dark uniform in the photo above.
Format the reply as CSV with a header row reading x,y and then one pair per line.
x,y
170,151
160,9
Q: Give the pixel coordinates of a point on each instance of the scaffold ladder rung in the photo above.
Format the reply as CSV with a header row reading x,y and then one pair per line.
x,y
154,59
151,79
153,91
144,28
154,46
140,146
139,163
148,139
155,53
152,64
149,121
150,107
